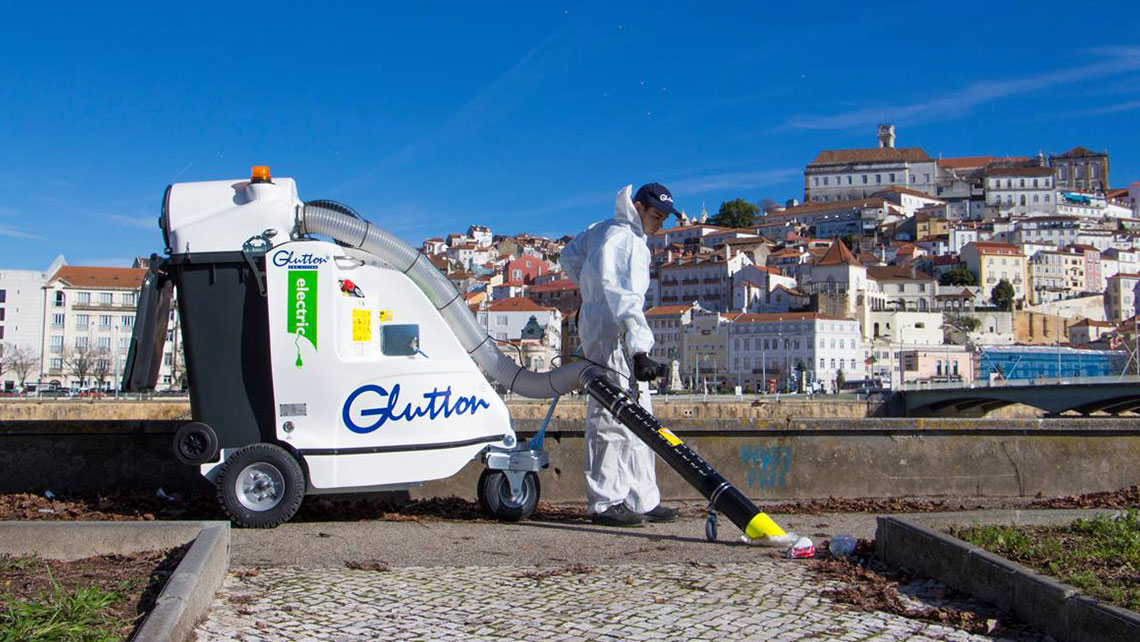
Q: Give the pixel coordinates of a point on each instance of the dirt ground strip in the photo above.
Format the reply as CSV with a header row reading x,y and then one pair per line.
x,y
137,578
869,585
159,506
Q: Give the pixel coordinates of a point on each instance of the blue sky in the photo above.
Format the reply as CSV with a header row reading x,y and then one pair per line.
x,y
527,117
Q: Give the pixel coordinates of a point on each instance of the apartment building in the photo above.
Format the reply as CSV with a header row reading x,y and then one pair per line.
x,y
1055,275
88,319
796,349
668,324
1120,296
992,262
1019,191
705,278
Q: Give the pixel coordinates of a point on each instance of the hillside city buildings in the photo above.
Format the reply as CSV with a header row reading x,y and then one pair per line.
x,y
899,266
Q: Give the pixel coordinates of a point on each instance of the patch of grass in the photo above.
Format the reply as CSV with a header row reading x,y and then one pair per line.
x,y
1099,556
79,615
10,563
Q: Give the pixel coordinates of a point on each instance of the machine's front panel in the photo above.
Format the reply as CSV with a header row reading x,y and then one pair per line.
x,y
365,369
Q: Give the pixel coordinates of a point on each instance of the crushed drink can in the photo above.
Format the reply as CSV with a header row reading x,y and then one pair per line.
x,y
801,549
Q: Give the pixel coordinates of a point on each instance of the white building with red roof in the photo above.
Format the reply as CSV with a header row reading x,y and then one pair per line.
x,y
88,319
706,278
668,324
1121,297
846,174
505,319
796,349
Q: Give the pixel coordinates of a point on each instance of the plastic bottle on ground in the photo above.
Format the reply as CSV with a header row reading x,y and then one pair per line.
x,y
842,545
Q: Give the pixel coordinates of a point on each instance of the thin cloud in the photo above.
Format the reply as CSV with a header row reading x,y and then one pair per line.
x,y
17,233
1113,109
116,261
493,102
1115,61
137,222
734,180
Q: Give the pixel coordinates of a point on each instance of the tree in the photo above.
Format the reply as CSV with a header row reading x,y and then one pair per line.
x,y
23,361
958,276
80,362
767,205
101,366
1003,295
963,324
736,213
840,379
6,350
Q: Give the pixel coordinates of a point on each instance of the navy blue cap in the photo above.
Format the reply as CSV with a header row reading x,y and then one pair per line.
x,y
658,197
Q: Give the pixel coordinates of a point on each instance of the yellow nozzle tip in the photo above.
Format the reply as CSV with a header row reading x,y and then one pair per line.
x,y
763,526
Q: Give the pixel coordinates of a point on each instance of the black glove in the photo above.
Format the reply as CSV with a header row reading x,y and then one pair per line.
x,y
646,369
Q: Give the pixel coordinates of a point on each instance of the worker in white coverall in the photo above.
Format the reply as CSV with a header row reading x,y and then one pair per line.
x,y
610,263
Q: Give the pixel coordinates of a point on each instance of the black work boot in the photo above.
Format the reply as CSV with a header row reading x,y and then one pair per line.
x,y
662,514
618,515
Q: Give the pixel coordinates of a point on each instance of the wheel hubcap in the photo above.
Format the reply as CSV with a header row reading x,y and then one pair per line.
x,y
259,487
510,499
193,445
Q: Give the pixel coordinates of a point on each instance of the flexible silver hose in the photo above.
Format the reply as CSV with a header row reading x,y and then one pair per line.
x,y
327,219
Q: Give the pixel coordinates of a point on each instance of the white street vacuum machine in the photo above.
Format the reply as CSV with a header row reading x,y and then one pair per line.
x,y
324,355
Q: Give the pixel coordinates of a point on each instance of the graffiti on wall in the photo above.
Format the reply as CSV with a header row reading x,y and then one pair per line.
x,y
767,466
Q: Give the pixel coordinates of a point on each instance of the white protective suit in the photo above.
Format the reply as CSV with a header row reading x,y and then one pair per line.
x,y
610,263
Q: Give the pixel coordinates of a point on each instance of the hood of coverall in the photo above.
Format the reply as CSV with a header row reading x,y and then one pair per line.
x,y
625,212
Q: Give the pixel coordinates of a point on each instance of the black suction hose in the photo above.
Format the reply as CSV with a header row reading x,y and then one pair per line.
x,y
722,495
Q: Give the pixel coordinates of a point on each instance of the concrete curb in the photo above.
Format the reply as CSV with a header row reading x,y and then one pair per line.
x,y
189,590
1058,609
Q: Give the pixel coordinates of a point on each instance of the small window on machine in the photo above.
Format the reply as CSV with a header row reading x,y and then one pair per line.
x,y
400,340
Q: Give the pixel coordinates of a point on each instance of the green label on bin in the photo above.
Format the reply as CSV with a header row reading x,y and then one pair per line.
x,y
303,305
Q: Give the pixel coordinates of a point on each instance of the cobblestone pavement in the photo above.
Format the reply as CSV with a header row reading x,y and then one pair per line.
x,y
768,599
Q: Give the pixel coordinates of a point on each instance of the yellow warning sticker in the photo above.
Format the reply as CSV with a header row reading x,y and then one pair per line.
x,y
361,325
668,436
385,315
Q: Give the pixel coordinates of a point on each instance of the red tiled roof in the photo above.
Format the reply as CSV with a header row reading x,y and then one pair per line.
x,y
1093,323
110,278
969,162
554,286
789,290
838,254
1078,152
516,304
1019,171
666,310
993,247
896,273
819,206
870,155
787,316
907,190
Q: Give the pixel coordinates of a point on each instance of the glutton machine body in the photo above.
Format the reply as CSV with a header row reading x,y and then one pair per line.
x,y
325,355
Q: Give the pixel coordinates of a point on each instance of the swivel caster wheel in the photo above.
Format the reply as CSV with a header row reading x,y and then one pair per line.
x,y
495,495
710,527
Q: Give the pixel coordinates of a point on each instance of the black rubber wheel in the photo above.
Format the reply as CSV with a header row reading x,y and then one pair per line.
x,y
261,486
495,495
195,443
710,527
